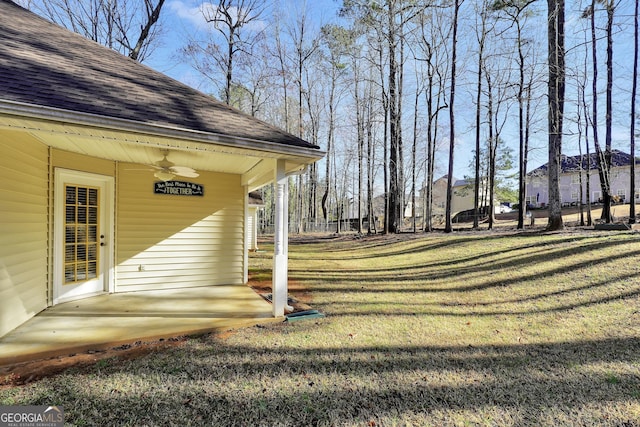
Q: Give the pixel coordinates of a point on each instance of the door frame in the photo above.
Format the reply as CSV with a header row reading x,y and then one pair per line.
x,y
107,268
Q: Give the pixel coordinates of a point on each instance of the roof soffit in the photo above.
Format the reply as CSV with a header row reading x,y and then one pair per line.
x,y
144,148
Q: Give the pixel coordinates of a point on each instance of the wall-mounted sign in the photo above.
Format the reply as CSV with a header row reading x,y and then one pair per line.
x,y
178,188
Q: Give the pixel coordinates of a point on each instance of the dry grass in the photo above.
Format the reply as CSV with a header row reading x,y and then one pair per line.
x,y
472,328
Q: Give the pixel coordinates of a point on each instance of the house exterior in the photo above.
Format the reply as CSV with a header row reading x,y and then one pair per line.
x,y
462,196
85,208
537,192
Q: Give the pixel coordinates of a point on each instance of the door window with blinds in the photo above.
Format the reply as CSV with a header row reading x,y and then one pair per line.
x,y
81,240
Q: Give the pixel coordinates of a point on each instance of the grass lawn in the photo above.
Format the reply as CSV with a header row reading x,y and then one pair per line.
x,y
464,329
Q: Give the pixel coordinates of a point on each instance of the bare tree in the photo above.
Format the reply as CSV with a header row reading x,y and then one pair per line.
x,y
388,21
606,195
253,79
228,18
338,42
359,107
127,26
371,118
516,12
153,14
414,149
395,215
481,35
603,157
581,87
280,52
305,46
499,93
452,132
432,42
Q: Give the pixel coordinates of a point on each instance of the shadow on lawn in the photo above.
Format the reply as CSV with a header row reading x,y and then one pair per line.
x,y
306,374
219,384
484,308
433,258
420,278
383,246
420,282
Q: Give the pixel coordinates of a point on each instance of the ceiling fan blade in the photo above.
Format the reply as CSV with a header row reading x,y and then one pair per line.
x,y
184,171
188,174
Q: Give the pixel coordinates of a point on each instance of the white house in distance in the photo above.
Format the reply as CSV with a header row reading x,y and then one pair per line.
x,y
117,178
537,191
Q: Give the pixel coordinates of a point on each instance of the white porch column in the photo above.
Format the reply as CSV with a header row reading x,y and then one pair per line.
x,y
281,237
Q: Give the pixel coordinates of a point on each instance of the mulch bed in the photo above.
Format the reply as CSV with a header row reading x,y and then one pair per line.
x,y
27,372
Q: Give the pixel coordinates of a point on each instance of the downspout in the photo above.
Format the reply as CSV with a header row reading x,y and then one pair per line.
x,y
245,261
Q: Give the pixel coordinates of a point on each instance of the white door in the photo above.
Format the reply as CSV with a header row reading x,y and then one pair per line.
x,y
83,235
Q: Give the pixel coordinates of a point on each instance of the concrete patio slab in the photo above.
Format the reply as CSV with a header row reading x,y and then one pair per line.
x,y
109,320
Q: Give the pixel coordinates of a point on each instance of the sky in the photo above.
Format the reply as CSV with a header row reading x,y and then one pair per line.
x,y
182,18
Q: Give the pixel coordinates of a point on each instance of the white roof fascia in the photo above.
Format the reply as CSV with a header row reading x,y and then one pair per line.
x,y
92,120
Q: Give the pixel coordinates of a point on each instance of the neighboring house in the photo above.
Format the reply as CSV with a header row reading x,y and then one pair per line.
x,y
84,207
462,196
537,185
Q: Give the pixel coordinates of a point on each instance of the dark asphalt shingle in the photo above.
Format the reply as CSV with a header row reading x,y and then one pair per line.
x,y
46,65
576,163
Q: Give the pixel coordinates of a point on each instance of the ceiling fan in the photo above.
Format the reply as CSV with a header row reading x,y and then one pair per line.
x,y
167,170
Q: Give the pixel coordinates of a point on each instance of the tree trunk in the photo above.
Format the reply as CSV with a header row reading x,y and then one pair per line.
x,y
371,224
527,131
521,146
400,145
580,170
428,203
556,106
452,132
492,144
632,141
606,208
153,14
476,184
393,125
360,137
603,171
327,167
413,160
586,146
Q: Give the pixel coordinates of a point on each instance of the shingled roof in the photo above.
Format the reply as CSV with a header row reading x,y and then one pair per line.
x,y
44,65
576,163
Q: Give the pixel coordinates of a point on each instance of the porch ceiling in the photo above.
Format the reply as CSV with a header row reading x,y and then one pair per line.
x,y
253,161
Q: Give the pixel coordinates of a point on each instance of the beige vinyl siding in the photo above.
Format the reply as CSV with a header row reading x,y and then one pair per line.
x,y
168,241
23,228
